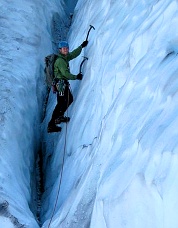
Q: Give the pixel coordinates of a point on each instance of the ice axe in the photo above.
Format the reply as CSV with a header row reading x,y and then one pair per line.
x,y
84,58
91,27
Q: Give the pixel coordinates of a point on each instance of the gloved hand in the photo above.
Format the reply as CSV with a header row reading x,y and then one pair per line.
x,y
79,76
84,44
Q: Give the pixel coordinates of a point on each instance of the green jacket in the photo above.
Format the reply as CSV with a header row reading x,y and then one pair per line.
x,y
61,65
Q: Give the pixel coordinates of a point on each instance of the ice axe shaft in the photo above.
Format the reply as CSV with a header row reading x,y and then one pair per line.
x,y
84,58
91,27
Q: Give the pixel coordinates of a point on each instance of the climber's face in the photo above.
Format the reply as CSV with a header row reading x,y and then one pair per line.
x,y
64,50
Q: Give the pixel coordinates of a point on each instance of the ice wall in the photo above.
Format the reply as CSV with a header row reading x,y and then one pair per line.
x,y
27,36
121,159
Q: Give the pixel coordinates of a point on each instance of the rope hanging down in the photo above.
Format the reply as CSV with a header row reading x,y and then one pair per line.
x,y
59,187
65,143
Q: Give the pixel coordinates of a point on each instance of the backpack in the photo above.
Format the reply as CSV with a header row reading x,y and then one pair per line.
x,y
49,68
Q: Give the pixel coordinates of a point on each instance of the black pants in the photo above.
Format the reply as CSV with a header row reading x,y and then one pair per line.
x,y
63,102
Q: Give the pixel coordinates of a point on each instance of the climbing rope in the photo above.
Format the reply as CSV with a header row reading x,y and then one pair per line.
x,y
59,187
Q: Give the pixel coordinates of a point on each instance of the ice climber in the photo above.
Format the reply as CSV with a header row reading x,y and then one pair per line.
x,y
62,75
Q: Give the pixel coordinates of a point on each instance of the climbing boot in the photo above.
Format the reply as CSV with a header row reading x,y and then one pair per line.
x,y
53,128
61,119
